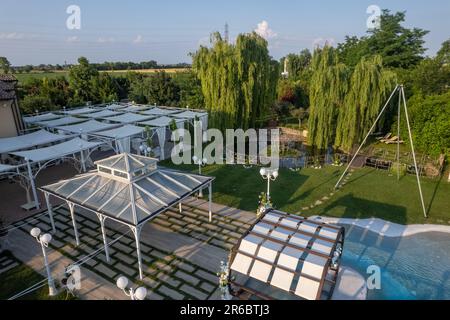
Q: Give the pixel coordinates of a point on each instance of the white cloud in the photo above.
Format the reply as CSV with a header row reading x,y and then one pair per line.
x,y
106,40
138,39
73,39
264,31
321,42
11,35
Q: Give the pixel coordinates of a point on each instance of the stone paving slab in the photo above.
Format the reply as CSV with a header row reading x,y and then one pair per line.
x,y
177,264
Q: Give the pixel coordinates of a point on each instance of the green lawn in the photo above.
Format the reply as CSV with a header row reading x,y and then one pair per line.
x,y
368,193
20,278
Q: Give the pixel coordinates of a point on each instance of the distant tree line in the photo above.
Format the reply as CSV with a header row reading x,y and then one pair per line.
x,y
85,83
104,66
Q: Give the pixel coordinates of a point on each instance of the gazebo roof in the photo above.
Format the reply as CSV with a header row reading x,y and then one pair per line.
x,y
129,163
128,188
287,256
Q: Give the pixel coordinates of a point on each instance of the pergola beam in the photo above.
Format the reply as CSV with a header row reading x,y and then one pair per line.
x,y
102,219
74,222
50,211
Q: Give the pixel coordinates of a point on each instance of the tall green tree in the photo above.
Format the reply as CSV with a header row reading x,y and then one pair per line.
x,y
370,86
238,80
398,46
5,65
158,88
298,64
81,77
430,122
329,85
190,90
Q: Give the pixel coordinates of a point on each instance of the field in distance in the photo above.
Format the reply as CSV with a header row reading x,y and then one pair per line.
x,y
57,73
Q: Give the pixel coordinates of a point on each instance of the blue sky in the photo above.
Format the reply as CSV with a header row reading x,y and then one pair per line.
x,y
33,32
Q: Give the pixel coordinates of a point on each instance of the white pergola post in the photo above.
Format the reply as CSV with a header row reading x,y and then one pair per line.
x,y
137,234
50,211
102,219
72,214
83,163
33,185
210,201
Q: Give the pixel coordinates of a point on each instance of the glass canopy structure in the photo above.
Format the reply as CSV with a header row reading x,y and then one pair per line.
x,y
128,189
285,256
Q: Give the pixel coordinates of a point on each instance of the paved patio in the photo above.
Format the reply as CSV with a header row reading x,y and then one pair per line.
x,y
181,252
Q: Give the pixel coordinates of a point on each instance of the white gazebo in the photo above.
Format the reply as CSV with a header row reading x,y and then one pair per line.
x,y
128,189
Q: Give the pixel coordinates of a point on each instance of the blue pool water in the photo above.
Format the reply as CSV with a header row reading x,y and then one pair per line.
x,y
413,267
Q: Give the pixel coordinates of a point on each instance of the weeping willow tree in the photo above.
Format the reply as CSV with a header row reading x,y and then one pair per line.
x,y
329,85
238,80
370,86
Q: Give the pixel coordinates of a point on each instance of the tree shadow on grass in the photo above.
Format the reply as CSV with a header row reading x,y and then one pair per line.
x,y
349,206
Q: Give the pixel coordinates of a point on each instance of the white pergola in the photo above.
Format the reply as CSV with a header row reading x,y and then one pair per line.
x,y
42,157
30,140
105,113
79,111
41,117
191,115
121,136
129,118
160,126
156,111
59,122
128,189
135,108
86,127
115,106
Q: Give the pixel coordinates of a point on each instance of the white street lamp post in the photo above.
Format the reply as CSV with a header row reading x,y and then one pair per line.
x,y
269,175
201,163
44,240
145,149
139,293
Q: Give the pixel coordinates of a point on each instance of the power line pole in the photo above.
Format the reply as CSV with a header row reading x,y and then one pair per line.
x,y
227,35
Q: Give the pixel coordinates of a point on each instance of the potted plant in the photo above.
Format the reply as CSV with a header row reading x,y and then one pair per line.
x,y
224,281
247,164
337,161
317,164
264,204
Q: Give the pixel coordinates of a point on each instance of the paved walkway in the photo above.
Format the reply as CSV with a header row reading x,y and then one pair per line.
x,y
181,252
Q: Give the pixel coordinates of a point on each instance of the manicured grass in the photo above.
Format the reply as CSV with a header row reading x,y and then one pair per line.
x,y
20,278
367,193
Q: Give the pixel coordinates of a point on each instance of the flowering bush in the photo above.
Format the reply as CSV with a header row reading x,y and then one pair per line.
x,y
264,204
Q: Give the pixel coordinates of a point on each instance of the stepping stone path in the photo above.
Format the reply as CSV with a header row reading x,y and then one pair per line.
x,y
166,276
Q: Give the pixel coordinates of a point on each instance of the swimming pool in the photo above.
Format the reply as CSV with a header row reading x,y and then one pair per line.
x,y
413,267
